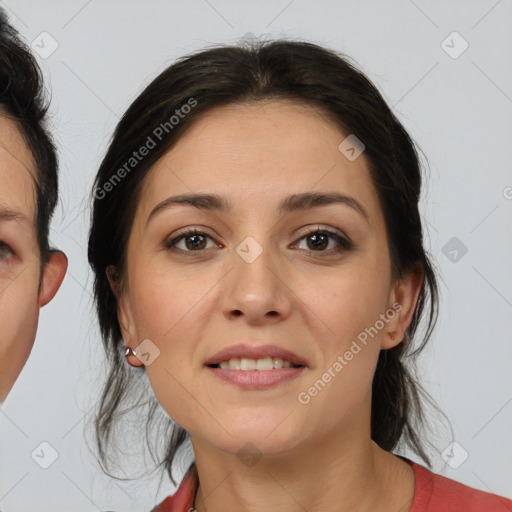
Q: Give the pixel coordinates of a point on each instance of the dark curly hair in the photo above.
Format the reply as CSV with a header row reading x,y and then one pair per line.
x,y
310,75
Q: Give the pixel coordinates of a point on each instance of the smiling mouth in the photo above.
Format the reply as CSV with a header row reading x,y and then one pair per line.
x,y
263,364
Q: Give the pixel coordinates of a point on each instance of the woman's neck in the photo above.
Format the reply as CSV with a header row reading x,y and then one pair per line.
x,y
360,478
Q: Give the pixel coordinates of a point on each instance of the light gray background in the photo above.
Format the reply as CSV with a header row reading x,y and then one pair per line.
x,y
457,109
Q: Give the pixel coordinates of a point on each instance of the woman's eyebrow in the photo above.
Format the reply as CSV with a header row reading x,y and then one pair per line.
x,y
292,203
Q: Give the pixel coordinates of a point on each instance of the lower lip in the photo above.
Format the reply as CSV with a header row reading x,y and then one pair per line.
x,y
256,379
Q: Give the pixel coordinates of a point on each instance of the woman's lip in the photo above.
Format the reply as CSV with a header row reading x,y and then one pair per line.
x,y
256,379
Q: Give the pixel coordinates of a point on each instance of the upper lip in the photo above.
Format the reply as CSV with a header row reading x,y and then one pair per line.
x,y
255,352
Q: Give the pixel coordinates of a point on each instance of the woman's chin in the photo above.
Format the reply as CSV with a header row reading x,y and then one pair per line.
x,y
243,439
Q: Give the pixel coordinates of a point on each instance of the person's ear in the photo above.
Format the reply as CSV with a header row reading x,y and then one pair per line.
x,y
53,275
402,300
124,314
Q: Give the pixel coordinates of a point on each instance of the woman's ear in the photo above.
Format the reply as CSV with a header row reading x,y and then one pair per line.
x,y
53,275
402,299
113,279
123,306
124,314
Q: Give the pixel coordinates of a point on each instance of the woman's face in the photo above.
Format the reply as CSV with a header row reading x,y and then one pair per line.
x,y
256,276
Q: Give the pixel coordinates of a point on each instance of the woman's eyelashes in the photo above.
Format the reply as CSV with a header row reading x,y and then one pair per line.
x,y
198,241
319,240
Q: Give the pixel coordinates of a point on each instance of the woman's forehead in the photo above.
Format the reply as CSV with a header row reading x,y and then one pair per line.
x,y
257,150
258,122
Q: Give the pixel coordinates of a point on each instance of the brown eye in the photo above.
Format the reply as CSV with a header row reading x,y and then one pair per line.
x,y
193,241
319,240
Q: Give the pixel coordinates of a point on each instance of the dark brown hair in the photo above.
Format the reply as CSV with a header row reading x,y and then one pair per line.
x,y
306,74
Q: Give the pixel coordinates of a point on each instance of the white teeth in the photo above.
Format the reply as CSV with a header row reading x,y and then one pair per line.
x,y
266,363
247,364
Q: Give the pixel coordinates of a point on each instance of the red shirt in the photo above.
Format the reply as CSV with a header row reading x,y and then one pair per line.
x,y
432,493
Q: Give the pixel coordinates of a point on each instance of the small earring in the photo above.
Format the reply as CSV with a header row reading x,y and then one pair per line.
x,y
128,351
392,337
